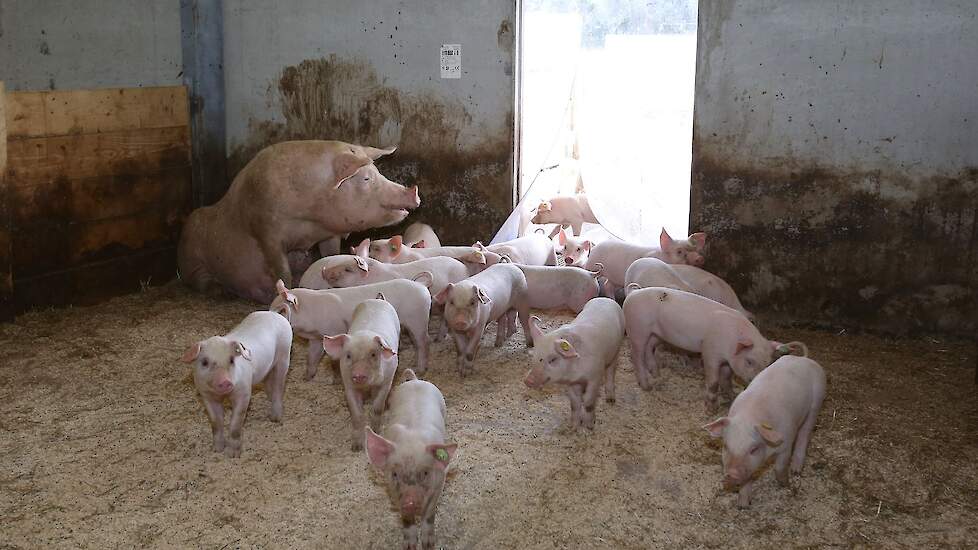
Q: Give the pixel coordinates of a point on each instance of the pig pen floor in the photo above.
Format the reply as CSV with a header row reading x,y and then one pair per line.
x,y
104,444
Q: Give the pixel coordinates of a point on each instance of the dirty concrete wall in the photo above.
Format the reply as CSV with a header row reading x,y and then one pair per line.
x,y
368,72
835,163
72,44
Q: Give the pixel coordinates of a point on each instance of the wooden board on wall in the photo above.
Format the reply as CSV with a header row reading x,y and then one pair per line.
x,y
96,180
6,259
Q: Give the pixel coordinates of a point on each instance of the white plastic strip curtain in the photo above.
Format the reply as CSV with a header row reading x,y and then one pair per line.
x,y
634,131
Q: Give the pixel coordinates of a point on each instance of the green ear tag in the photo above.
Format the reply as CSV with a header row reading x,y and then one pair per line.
x,y
565,346
441,455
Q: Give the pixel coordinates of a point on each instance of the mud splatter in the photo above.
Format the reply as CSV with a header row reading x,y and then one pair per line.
x,y
804,242
466,190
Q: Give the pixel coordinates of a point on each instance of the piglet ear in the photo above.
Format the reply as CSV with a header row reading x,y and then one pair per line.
x,y
280,287
476,256
716,427
395,243
771,436
442,296
698,240
362,250
479,246
419,244
378,448
562,237
347,164
505,259
586,245
240,349
665,241
535,331
743,344
426,278
385,350
191,353
600,270
483,297
333,345
362,264
442,454
565,349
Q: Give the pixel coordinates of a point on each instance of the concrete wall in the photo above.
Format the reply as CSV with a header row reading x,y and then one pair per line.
x,y
368,72
835,159
71,44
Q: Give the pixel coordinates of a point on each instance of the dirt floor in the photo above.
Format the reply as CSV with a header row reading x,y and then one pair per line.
x,y
103,443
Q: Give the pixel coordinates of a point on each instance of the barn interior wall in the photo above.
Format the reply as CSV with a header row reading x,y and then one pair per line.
x,y
71,44
368,72
834,159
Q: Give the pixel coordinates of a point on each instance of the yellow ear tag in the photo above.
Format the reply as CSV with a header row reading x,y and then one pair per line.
x,y
766,426
565,346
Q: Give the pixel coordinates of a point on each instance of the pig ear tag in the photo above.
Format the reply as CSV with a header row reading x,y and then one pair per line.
x,y
565,346
441,455
766,426
784,349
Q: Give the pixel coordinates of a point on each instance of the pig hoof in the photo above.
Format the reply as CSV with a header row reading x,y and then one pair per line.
x,y
610,399
219,447
356,446
233,452
309,376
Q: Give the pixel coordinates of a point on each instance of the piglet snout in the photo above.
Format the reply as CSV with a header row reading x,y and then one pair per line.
x,y
359,378
223,387
411,503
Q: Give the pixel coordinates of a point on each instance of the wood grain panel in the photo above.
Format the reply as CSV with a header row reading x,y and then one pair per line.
x,y
71,112
94,282
124,152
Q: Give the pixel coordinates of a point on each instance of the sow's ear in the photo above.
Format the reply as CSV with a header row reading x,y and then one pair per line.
x,y
698,240
362,250
565,349
442,296
347,164
240,349
535,331
374,153
395,243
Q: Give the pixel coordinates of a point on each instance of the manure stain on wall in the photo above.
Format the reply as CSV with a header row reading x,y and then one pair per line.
x,y
828,247
466,190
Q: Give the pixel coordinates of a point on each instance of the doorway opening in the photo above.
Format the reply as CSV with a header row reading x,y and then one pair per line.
x,y
606,109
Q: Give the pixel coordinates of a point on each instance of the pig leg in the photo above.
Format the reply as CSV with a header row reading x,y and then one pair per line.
x,y
524,313
801,442
313,358
337,375
781,461
239,409
275,388
589,401
461,344
354,402
215,413
711,368
511,323
472,349
409,530
726,380
428,518
277,262
609,381
576,226
377,407
419,335
743,496
574,394
637,344
442,322
501,326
